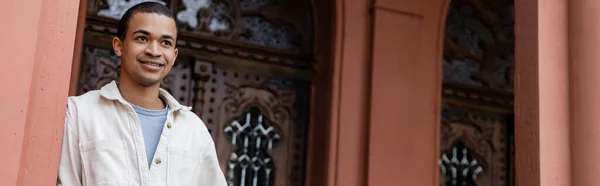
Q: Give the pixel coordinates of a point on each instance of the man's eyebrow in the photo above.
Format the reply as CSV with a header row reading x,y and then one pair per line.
x,y
141,31
167,36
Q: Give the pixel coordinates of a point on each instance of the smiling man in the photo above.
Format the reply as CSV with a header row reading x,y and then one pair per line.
x,y
131,132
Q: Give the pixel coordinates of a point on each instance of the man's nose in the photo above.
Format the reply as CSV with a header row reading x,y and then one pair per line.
x,y
153,49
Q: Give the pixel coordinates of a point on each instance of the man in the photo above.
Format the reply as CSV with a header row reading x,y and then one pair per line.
x,y
132,132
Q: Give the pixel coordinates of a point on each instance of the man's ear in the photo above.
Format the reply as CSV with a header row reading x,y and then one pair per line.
x,y
117,45
175,57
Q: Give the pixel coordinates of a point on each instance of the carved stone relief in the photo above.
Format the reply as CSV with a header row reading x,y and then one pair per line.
x,y
241,106
258,30
281,25
98,68
189,15
474,148
116,8
476,141
179,83
479,43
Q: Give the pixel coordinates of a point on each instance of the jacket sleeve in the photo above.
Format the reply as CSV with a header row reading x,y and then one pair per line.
x,y
211,173
69,168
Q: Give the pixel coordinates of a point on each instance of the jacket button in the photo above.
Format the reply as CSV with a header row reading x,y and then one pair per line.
x,y
169,125
157,161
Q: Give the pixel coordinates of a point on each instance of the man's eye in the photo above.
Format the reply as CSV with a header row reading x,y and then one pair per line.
x,y
167,43
141,38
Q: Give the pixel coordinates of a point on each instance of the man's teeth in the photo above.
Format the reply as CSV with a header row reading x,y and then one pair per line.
x,y
152,64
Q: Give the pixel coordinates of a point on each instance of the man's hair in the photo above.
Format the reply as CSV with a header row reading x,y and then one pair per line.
x,y
145,7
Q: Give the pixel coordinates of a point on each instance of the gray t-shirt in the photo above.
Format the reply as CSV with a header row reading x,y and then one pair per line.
x,y
152,122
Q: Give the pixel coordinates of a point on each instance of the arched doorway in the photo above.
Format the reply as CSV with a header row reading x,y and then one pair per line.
x,y
406,82
407,48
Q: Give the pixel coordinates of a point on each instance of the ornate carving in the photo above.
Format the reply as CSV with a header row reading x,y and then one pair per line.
x,y
189,16
472,97
478,52
253,138
202,73
103,32
98,68
275,106
295,13
178,82
263,32
283,25
479,43
459,165
483,135
116,8
231,94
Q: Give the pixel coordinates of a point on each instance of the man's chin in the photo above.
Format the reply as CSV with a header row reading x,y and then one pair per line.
x,y
147,84
148,81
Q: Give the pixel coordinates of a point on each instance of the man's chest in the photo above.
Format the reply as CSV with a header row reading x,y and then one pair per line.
x,y
113,151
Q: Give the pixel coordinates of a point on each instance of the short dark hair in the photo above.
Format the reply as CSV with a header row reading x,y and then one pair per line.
x,y
145,7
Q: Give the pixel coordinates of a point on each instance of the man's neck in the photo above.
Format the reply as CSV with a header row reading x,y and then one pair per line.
x,y
139,95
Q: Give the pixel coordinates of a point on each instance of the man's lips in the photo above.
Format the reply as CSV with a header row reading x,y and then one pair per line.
x,y
152,63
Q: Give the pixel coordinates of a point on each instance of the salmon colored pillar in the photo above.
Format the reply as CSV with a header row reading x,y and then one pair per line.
x,y
406,82
15,75
37,51
584,33
350,85
542,154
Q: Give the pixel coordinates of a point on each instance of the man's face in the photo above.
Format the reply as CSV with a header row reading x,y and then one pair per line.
x,y
148,51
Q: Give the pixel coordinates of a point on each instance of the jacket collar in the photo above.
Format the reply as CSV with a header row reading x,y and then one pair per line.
x,y
111,91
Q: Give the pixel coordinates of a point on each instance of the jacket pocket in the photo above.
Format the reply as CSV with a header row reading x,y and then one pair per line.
x,y
104,163
183,166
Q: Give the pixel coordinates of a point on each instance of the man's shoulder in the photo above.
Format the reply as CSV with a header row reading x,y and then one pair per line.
x,y
89,96
190,117
80,108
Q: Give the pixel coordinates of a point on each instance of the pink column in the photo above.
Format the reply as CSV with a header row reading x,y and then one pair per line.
x,y
584,44
15,74
77,52
37,51
351,79
405,92
542,93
